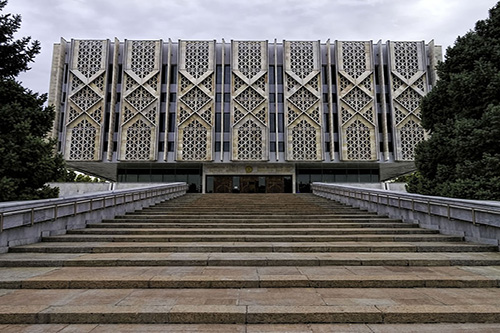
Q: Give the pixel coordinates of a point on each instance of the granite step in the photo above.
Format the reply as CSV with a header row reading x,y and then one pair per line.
x,y
245,261
250,232
253,328
251,306
138,247
258,238
250,259
254,217
176,277
240,225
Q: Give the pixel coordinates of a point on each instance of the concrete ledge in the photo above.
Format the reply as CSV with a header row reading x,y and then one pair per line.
x,y
477,221
26,222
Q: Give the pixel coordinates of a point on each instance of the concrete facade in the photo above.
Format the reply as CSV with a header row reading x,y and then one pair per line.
x,y
258,115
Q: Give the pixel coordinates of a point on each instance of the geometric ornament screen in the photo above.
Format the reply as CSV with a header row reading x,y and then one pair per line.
x,y
249,103
140,100
195,100
84,121
303,107
408,85
356,97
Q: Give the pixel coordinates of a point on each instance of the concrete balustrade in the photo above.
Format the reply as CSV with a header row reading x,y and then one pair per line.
x,y
477,221
26,222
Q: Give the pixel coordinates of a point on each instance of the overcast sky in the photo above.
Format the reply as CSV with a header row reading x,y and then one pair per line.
x,y
49,20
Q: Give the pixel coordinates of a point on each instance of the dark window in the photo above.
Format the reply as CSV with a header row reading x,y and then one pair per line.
x,y
65,73
281,146
161,146
217,146
163,74
271,75
227,120
110,74
218,118
171,146
272,121
173,74
280,98
281,122
120,68
106,121
226,146
162,122
171,122
227,74
61,123
218,74
280,74
117,118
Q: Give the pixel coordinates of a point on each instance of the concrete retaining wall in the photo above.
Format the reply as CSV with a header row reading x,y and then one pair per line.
x,y
477,221
26,222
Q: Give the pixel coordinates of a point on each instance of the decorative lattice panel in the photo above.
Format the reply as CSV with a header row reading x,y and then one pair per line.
x,y
303,107
357,116
140,100
86,100
195,100
408,86
249,104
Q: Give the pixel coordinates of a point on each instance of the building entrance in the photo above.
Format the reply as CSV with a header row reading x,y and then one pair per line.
x,y
249,184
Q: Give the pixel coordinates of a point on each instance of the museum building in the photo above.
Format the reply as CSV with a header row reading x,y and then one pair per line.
x,y
250,116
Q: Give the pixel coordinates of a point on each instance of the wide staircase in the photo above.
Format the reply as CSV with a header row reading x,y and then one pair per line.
x,y
250,263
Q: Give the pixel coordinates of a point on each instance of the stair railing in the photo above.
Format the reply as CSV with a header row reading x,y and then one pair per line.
x,y
61,214
473,219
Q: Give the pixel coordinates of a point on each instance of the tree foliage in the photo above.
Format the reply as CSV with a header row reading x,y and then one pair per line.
x,y
15,54
462,114
27,159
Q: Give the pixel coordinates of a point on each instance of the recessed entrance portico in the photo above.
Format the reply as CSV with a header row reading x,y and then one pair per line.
x,y
248,178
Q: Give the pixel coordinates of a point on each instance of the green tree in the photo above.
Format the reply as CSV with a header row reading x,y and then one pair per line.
x,y
462,114
27,159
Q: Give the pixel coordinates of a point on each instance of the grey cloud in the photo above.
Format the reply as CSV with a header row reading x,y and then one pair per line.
x,y
48,20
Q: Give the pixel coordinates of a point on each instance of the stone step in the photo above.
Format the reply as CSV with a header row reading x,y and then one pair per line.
x,y
251,306
249,232
260,225
248,277
250,259
241,260
258,238
253,217
227,210
254,328
236,225
137,247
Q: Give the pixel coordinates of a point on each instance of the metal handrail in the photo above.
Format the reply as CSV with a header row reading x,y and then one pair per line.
x,y
135,196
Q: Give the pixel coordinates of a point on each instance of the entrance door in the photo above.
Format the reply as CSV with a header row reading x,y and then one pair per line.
x,y
223,184
275,184
249,184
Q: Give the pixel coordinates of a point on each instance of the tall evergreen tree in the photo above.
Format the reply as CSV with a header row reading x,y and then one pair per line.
x,y
462,114
27,159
